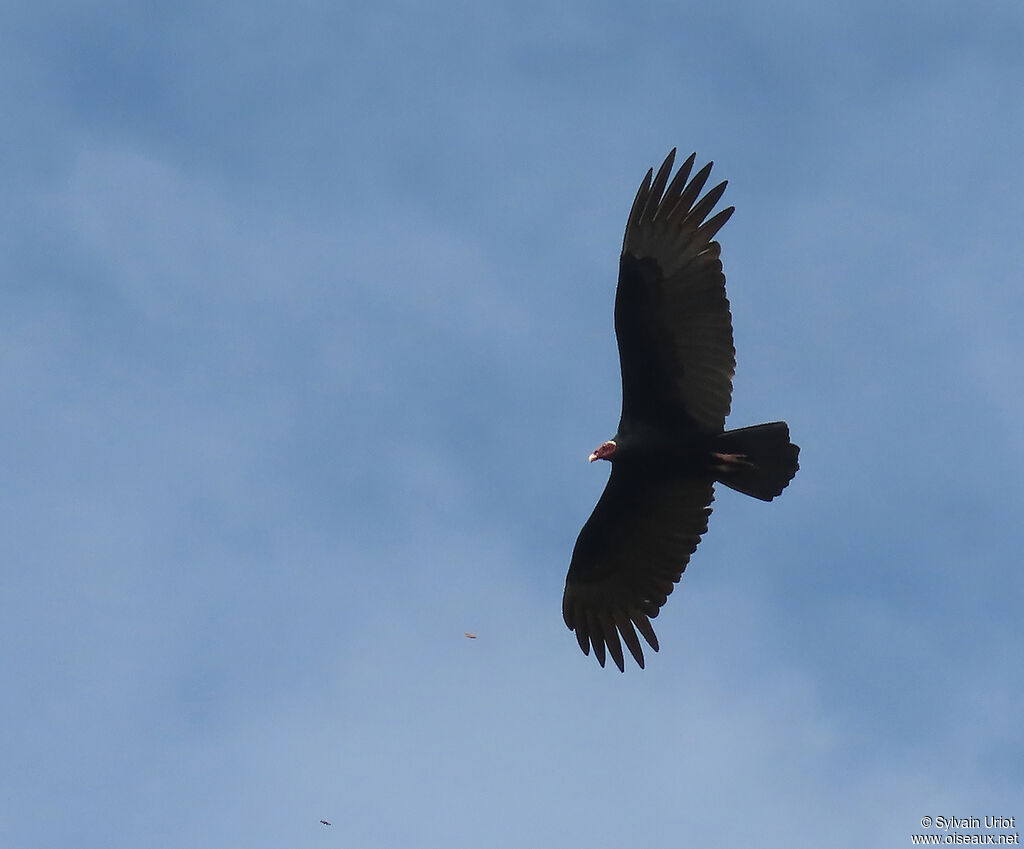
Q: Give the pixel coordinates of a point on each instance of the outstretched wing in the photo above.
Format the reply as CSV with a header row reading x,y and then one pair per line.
x,y
629,556
672,317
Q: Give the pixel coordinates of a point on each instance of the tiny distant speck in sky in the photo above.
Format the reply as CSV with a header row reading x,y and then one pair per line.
x,y
324,822
470,636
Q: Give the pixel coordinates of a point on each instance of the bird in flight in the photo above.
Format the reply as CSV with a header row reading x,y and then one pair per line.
x,y
324,822
677,359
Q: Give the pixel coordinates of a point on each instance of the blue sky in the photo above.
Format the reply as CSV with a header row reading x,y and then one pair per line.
x,y
305,335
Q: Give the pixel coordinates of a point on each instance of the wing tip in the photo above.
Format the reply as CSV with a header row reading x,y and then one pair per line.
x,y
678,204
606,632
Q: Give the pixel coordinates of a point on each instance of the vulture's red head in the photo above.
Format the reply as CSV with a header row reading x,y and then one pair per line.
x,y
604,452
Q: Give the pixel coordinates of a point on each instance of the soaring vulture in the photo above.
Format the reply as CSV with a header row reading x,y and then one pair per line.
x,y
677,358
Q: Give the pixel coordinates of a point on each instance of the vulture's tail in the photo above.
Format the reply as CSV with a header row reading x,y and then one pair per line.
x,y
758,461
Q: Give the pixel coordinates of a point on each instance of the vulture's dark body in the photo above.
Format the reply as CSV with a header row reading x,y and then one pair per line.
x,y
676,353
